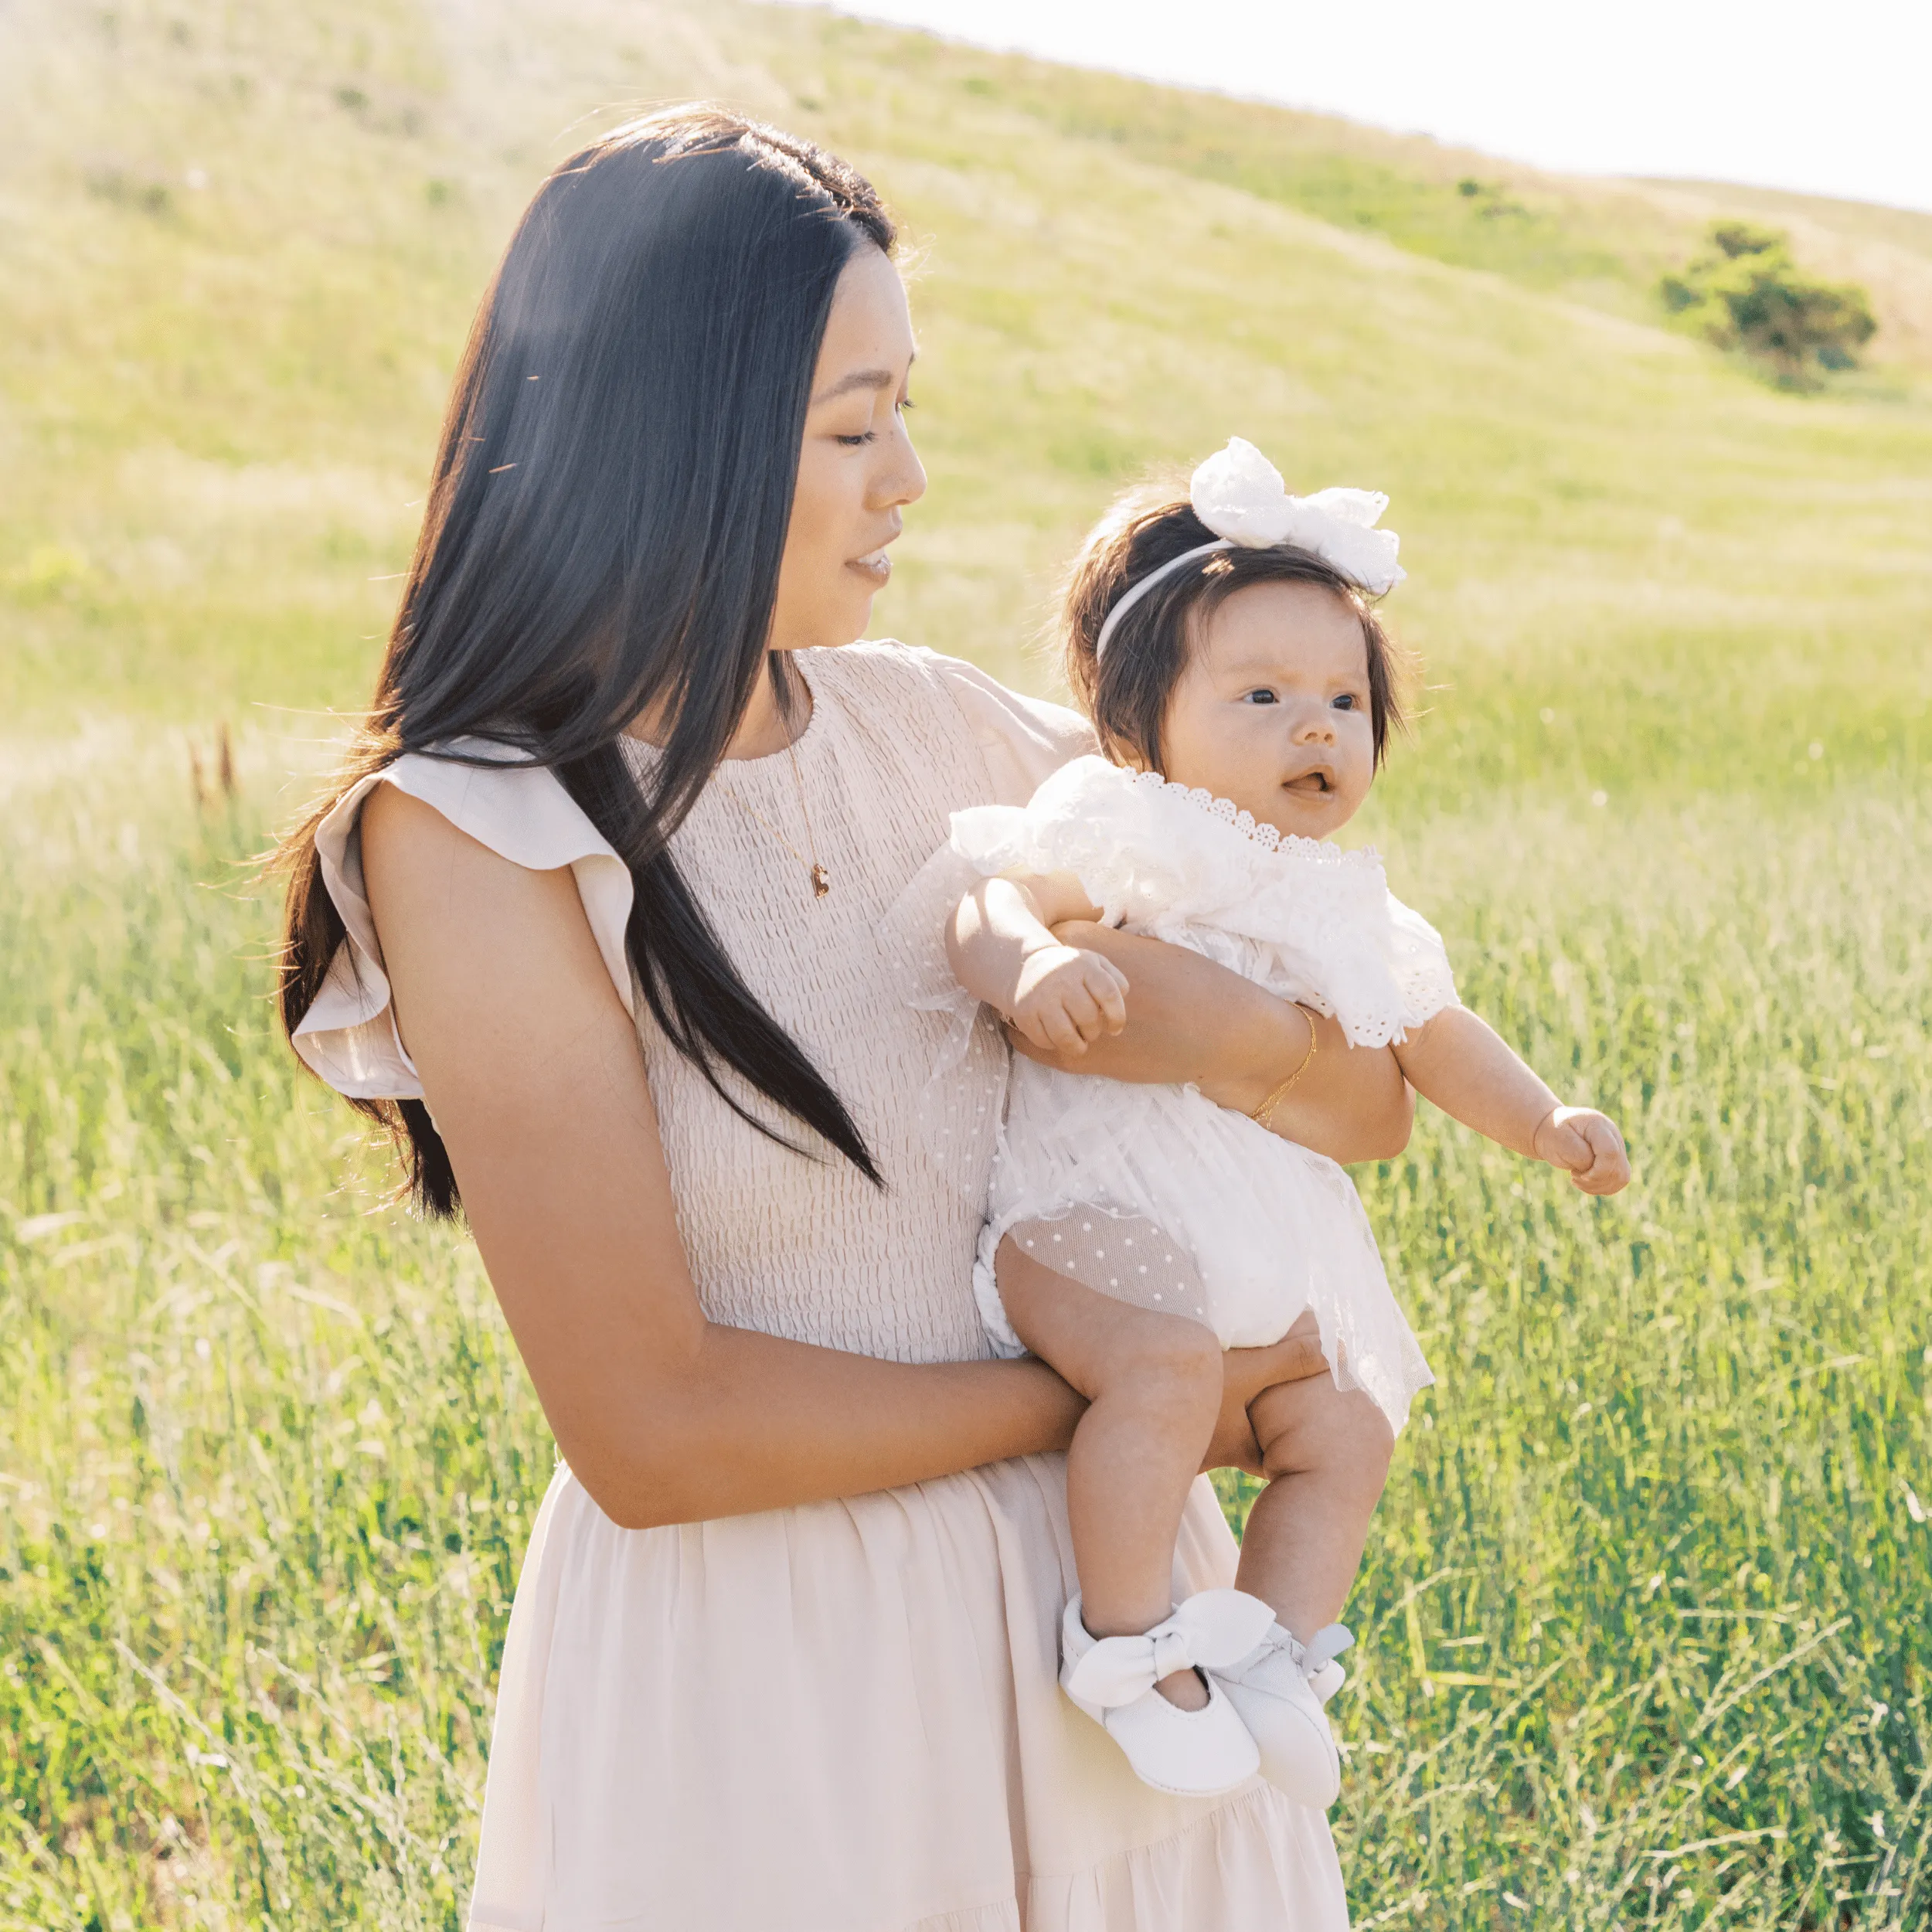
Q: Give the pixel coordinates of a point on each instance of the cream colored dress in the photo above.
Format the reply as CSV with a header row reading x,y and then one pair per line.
x,y
844,1717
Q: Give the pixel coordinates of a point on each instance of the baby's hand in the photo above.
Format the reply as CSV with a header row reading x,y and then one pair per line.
x,y
1067,999
1588,1144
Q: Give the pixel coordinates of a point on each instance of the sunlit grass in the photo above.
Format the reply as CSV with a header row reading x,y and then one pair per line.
x,y
268,1455
1646,1579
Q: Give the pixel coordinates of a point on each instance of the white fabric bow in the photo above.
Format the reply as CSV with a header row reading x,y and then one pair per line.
x,y
1239,495
1213,1630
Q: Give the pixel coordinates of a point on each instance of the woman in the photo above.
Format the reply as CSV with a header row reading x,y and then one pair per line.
x,y
782,1654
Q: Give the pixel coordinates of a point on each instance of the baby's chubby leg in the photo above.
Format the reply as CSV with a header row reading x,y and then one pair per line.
x,y
1325,1452
1153,1386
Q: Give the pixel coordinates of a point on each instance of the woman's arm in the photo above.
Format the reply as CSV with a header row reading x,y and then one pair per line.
x,y
1189,1019
531,1068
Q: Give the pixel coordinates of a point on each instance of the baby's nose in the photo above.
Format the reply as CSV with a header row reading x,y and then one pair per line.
x,y
1318,729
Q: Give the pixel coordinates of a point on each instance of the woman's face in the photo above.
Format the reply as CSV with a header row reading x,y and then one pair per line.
x,y
856,468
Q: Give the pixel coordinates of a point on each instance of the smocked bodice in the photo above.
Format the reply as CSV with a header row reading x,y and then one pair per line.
x,y
808,1247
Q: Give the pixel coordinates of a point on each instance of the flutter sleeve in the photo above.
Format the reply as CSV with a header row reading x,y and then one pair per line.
x,y
1420,964
348,1036
1334,937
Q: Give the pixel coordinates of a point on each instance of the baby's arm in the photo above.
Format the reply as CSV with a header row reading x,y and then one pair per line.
x,y
1001,943
1465,1068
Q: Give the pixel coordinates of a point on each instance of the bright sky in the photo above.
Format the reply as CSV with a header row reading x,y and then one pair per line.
x,y
1834,99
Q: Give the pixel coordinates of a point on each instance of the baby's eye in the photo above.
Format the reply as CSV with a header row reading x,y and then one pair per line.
x,y
1261,695
1344,701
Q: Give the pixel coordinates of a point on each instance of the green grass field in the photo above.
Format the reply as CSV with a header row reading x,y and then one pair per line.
x,y
1643,1633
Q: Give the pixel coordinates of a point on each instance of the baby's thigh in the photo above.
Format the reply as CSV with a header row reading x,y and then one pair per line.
x,y
1095,1341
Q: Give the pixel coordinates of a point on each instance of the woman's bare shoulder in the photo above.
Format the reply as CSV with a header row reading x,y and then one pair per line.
x,y
446,842
469,931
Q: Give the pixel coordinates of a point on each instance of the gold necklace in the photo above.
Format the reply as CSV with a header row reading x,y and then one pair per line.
x,y
820,878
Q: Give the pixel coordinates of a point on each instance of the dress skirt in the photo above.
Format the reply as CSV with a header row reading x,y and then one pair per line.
x,y
846,1718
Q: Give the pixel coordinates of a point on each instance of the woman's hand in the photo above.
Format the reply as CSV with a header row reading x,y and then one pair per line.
x,y
1245,1374
1192,1023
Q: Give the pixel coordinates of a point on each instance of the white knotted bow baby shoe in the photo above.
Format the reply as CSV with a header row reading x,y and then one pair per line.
x,y
1185,1753
1279,1688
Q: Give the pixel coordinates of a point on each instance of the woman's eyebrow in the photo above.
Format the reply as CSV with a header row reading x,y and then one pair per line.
x,y
858,379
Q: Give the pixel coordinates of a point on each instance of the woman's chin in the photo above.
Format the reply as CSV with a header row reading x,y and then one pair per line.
x,y
857,621
848,627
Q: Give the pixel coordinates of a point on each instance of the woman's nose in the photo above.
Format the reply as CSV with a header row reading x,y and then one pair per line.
x,y
903,480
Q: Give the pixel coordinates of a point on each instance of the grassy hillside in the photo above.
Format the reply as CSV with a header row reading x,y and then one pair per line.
x,y
221,398
1643,1640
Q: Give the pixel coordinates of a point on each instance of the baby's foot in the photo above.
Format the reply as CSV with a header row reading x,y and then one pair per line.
x,y
1279,1689
1187,1753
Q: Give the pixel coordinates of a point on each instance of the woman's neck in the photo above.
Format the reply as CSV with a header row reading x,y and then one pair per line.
x,y
767,725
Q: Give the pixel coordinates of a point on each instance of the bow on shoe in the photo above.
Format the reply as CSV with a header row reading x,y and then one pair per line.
x,y
1214,1629
1325,1646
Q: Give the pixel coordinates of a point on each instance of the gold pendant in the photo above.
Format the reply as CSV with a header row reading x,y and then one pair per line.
x,y
821,881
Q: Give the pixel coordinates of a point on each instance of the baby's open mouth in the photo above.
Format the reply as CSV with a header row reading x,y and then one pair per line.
x,y
1311,784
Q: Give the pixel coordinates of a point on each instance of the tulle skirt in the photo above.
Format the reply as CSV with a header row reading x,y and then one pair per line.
x,y
846,1718
1160,1197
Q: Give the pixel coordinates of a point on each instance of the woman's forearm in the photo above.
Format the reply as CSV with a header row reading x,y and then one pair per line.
x,y
753,1422
1189,1021
1350,1103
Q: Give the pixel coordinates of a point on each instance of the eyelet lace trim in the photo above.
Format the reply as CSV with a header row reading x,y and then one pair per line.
x,y
1320,851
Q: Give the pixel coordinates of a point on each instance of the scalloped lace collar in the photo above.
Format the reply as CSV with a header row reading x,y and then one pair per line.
x,y
1321,851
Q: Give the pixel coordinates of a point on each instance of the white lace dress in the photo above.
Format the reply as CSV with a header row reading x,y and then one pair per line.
x,y
1152,1193
845,1717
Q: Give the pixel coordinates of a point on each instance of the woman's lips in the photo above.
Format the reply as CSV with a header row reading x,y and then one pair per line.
x,y
876,567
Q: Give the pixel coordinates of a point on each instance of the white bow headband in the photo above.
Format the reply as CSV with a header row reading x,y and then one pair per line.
x,y
1239,495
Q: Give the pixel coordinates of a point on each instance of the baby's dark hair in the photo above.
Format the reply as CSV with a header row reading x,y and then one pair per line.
x,y
1126,693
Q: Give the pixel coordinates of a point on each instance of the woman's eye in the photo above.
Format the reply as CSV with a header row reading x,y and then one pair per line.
x,y
855,442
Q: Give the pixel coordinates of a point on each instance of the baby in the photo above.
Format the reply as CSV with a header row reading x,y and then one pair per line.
x,y
1243,690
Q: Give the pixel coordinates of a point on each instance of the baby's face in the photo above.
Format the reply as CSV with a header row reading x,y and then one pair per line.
x,y
1272,711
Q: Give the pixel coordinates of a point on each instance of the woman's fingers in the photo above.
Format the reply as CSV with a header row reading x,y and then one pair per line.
x,y
1294,1358
1245,1373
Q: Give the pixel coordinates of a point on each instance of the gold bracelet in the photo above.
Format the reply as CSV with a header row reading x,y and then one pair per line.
x,y
1263,1115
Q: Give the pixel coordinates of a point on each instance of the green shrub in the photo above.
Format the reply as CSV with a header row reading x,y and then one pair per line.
x,y
1745,292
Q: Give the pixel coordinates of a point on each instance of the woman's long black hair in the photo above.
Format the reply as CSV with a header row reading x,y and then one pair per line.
x,y
603,536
